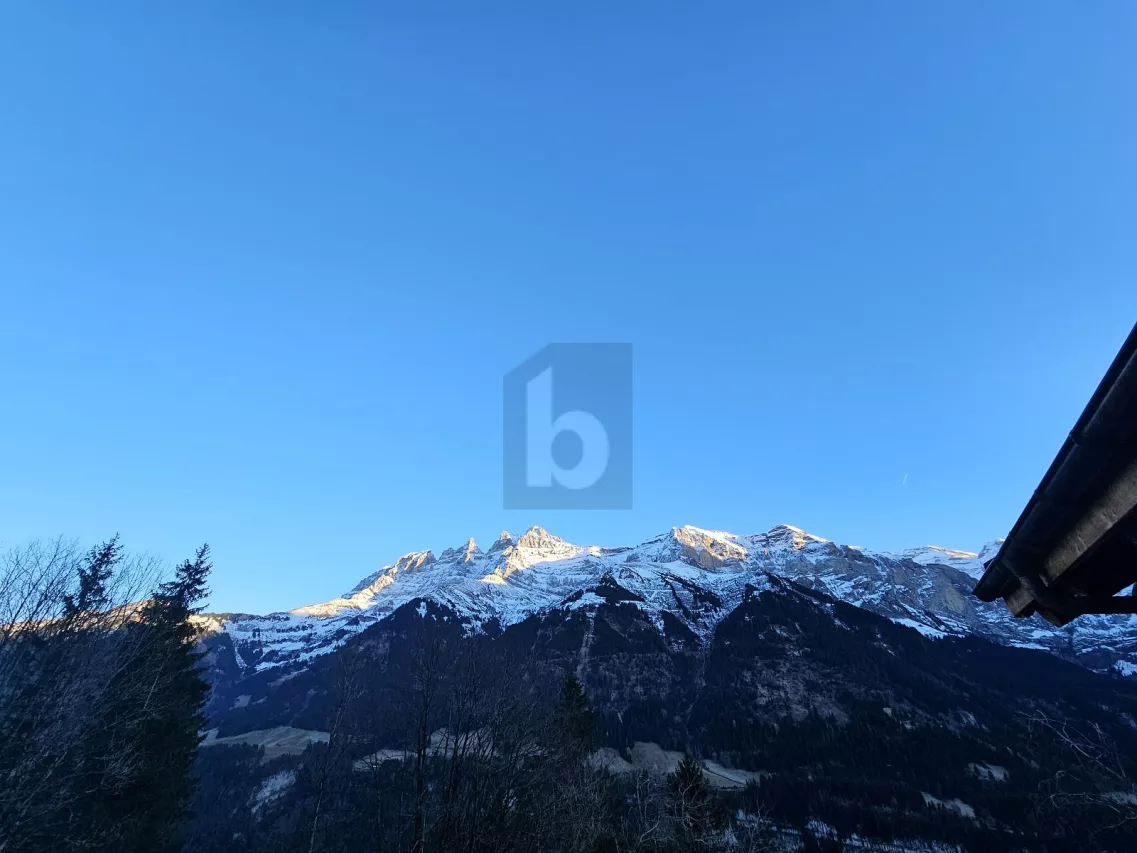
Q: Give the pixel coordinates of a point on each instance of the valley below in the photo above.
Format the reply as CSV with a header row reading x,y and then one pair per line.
x,y
827,694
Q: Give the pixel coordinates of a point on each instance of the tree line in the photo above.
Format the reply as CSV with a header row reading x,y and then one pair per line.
x,y
100,698
470,751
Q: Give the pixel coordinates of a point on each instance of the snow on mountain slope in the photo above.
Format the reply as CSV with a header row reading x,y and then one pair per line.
x,y
965,561
694,574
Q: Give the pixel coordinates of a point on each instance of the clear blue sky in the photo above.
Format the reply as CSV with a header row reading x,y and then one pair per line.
x,y
264,265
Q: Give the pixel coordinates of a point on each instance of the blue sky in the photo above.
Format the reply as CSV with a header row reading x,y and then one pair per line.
x,y
264,265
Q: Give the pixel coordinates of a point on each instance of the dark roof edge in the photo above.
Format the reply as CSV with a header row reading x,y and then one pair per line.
x,y
996,577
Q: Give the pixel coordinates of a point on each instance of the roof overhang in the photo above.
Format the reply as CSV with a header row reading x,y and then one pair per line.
x,y
1074,548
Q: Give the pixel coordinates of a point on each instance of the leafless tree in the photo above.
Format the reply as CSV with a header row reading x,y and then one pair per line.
x,y
429,673
63,658
751,833
647,825
461,736
1095,772
349,662
483,761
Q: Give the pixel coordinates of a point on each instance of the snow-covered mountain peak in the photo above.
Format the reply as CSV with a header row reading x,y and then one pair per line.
x,y
539,539
690,530
793,536
406,563
464,554
708,549
988,551
503,541
414,560
534,547
967,562
694,574
716,549
935,554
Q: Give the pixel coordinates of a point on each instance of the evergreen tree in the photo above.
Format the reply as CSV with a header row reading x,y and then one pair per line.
x,y
176,727
94,574
574,714
141,768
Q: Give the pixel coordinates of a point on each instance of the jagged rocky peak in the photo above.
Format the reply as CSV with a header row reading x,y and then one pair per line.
x,y
413,560
539,539
464,554
503,541
536,545
708,549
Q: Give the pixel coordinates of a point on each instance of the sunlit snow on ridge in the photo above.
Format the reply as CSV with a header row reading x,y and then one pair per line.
x,y
926,588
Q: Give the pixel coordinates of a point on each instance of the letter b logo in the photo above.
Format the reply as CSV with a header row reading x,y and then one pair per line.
x,y
566,398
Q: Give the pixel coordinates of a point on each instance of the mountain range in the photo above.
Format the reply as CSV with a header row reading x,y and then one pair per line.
x,y
688,576
867,690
